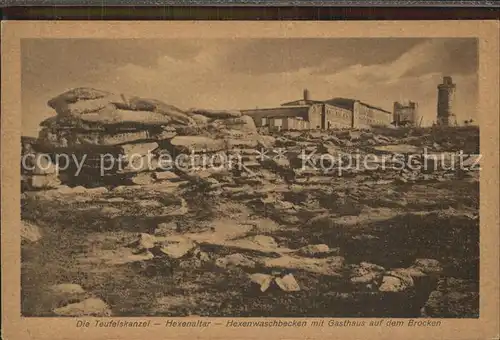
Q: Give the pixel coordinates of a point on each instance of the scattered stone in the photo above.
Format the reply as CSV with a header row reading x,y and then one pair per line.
x,y
212,182
396,281
203,256
331,266
144,241
120,256
382,138
67,288
226,229
189,144
365,273
264,241
428,266
196,259
136,165
400,149
182,210
263,280
88,307
367,135
454,298
113,200
178,249
264,225
168,132
110,212
166,229
472,162
197,176
65,190
239,142
391,284
200,119
266,142
283,205
365,237
355,135
287,283
414,272
235,260
143,256
30,232
142,178
436,146
44,181
166,175
96,191
42,165
314,250
148,203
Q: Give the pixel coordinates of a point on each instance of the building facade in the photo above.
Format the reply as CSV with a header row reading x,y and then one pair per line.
x,y
313,114
287,123
363,115
405,114
336,117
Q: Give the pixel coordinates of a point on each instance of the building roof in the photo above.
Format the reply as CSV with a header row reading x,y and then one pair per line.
x,y
301,102
280,111
349,103
277,108
345,103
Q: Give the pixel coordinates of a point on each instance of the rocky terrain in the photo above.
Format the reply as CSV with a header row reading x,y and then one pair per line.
x,y
269,238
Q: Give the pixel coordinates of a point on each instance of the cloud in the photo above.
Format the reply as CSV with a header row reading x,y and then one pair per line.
x,y
414,75
263,56
431,56
248,73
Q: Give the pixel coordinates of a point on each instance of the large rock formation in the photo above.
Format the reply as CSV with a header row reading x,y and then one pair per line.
x,y
113,139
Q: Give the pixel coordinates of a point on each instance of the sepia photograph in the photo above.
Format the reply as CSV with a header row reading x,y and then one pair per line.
x,y
316,180
250,177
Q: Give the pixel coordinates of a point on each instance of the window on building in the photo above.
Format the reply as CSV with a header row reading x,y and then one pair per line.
x,y
278,124
263,121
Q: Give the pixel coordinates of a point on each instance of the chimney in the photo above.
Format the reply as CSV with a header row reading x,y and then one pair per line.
x,y
307,95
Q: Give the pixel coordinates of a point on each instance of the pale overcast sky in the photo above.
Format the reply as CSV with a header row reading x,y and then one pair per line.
x,y
249,73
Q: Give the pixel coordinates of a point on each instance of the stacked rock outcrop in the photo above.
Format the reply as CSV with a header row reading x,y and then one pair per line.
x,y
109,138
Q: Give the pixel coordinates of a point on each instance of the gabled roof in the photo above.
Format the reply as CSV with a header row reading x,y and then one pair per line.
x,y
301,102
280,111
348,103
276,108
345,103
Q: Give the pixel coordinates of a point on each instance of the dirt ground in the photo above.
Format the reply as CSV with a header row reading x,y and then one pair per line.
x,y
367,243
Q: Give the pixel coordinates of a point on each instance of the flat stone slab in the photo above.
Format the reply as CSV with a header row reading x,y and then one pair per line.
x,y
331,266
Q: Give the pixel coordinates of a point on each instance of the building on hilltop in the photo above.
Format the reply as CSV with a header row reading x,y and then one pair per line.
x,y
364,115
306,113
446,98
405,114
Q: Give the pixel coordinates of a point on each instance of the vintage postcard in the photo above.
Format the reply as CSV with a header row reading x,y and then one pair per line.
x,y
241,180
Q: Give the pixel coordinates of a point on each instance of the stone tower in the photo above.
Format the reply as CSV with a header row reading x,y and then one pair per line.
x,y
446,96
